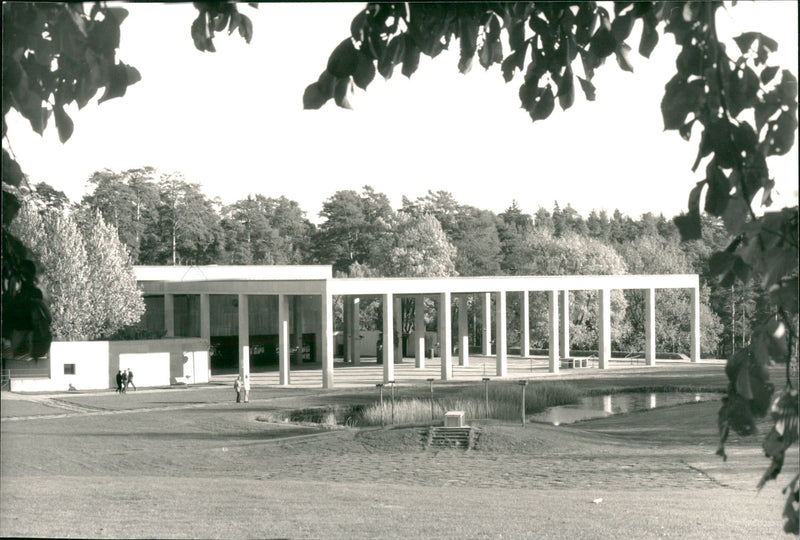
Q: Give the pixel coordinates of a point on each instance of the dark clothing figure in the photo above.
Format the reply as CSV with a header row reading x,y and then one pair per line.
x,y
129,379
239,387
119,381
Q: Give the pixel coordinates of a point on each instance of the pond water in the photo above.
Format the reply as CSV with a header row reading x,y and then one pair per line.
x,y
607,405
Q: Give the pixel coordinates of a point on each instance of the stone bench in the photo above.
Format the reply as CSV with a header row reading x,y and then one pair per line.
x,y
574,363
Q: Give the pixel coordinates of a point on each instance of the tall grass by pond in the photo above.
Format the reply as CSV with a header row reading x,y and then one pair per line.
x,y
504,403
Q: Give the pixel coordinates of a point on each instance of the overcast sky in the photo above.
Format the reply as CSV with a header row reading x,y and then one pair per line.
x,y
233,122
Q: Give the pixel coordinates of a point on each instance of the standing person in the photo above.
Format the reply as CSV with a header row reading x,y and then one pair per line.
x,y
124,381
119,382
129,379
246,388
237,385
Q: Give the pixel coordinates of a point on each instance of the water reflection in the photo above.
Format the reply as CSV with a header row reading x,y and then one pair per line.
x,y
610,404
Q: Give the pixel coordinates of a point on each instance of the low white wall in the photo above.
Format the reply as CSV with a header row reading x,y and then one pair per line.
x,y
158,362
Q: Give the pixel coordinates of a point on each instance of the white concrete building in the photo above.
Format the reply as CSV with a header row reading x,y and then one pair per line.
x,y
274,303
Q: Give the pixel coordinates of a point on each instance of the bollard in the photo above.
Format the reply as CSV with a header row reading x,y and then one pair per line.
x,y
486,385
380,389
522,408
430,381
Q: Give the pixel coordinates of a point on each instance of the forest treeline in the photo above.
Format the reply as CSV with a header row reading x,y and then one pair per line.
x,y
163,219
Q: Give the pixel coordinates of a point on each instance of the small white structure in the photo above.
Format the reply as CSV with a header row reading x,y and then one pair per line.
x,y
93,365
454,419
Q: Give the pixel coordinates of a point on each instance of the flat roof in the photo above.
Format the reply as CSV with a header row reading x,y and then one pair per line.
x,y
233,273
317,279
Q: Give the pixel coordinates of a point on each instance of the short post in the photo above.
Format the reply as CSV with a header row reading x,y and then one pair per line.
x,y
486,388
392,383
380,389
523,384
430,381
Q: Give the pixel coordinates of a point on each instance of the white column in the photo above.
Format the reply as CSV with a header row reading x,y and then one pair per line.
x,y
604,327
487,324
694,353
283,340
355,328
244,336
445,336
398,327
554,358
419,330
326,342
500,334
463,331
525,323
650,326
388,348
205,317
347,320
169,314
563,345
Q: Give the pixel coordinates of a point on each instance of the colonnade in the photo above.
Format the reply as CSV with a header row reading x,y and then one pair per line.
x,y
446,291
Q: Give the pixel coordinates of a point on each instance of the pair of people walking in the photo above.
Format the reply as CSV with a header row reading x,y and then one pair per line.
x,y
124,379
242,387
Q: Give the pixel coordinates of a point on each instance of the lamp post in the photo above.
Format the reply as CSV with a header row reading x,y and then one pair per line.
x,y
380,389
392,383
486,388
430,382
523,384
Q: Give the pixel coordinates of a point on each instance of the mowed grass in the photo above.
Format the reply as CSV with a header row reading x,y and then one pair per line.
x,y
214,471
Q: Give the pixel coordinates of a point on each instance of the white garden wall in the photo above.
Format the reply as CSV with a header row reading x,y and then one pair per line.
x,y
93,365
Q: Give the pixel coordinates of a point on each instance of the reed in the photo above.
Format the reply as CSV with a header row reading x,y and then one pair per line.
x,y
504,403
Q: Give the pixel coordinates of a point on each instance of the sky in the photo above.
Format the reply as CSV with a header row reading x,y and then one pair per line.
x,y
232,121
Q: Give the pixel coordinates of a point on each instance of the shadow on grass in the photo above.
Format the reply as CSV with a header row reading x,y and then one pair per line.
x,y
203,436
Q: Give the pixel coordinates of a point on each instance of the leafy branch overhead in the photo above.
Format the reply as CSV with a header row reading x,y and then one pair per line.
x,y
738,107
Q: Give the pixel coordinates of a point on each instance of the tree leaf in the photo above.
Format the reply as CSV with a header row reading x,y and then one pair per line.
x,y
622,25
365,71
649,39
64,124
313,97
344,88
768,73
343,61
680,99
544,105
411,55
689,226
780,137
602,43
623,57
718,190
117,83
735,215
588,89
566,89
245,28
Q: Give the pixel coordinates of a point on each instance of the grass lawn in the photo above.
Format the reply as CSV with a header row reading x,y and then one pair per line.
x,y
191,464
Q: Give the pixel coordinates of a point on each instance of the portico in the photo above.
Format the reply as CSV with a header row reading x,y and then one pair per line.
x,y
302,303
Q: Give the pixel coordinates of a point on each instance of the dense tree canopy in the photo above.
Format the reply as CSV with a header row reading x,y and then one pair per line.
x,y
87,275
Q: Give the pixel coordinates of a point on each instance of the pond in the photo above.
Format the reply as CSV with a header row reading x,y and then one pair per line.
x,y
609,404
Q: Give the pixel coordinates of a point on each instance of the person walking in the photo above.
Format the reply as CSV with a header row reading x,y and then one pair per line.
x,y
119,382
246,388
237,385
129,379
